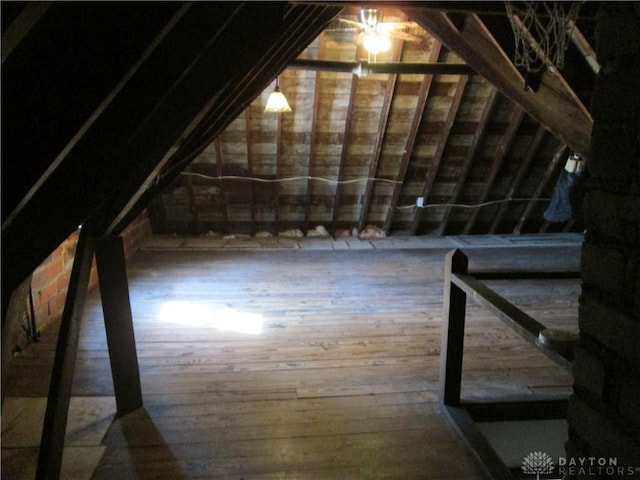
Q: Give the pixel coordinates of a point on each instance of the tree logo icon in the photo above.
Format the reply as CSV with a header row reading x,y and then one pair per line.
x,y
537,463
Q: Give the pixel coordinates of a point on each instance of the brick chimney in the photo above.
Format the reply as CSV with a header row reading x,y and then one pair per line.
x,y
604,411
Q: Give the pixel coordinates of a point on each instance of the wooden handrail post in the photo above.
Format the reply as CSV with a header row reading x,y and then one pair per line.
x,y
452,342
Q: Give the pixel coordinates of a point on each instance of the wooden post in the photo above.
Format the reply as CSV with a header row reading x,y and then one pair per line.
x,y
453,317
55,419
118,321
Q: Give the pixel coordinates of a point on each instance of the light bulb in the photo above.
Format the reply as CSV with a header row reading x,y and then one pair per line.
x,y
376,43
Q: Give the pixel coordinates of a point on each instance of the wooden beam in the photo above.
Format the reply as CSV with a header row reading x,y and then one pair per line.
x,y
524,166
498,160
365,68
522,323
301,26
583,46
437,156
452,340
118,321
276,185
250,171
193,204
158,215
313,140
552,105
551,169
55,418
99,158
421,103
377,151
22,25
345,150
221,183
91,119
468,161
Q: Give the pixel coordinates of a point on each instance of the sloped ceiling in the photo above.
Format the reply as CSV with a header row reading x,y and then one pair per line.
x,y
110,108
358,150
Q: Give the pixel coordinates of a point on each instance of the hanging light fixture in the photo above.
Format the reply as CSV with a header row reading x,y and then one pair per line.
x,y
374,41
277,102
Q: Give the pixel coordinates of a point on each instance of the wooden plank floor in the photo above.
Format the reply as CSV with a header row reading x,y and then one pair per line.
x,y
298,364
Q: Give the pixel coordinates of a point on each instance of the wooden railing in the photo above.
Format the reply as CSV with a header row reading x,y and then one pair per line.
x,y
458,284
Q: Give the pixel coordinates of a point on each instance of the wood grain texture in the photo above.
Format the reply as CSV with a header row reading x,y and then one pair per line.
x,y
342,381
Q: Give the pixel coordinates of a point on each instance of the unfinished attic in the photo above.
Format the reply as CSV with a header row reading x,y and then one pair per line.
x,y
425,265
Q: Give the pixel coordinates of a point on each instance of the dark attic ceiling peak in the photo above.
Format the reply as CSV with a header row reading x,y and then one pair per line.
x,y
160,105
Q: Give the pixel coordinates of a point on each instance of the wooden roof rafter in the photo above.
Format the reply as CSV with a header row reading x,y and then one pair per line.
x,y
313,139
221,182
498,160
552,105
468,161
250,169
345,150
437,156
423,95
515,182
276,185
193,204
551,169
303,23
382,128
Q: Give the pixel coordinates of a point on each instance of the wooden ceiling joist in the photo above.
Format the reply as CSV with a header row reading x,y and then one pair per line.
x,y
363,69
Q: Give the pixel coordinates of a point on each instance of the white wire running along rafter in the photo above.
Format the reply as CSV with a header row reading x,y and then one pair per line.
x,y
475,205
365,179
292,179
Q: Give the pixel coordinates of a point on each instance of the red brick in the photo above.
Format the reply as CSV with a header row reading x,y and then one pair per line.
x,y
63,281
56,305
45,293
45,275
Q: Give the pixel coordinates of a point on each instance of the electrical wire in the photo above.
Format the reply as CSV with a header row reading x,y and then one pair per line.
x,y
475,205
291,179
374,179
